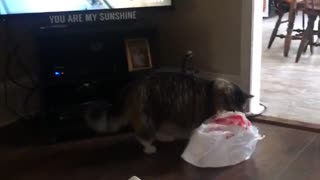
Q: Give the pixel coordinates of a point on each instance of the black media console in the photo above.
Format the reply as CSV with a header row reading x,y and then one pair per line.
x,y
78,66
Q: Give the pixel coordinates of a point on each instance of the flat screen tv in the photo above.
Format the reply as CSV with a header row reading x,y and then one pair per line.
x,y
8,7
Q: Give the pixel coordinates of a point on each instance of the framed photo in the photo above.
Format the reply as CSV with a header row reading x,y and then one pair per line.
x,y
138,54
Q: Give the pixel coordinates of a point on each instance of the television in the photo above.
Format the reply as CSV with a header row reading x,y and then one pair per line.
x,y
8,7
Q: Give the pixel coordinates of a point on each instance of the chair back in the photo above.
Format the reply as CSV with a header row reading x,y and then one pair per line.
x,y
281,6
312,4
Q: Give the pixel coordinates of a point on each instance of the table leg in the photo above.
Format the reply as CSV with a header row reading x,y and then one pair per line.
x,y
292,16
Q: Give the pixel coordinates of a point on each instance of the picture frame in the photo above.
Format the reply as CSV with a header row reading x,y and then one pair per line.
x,y
138,54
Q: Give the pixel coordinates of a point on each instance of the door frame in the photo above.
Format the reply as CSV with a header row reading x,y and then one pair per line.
x,y
251,50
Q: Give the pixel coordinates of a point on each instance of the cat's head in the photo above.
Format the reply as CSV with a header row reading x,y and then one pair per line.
x,y
229,97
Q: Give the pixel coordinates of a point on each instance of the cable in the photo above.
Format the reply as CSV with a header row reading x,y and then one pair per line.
x,y
15,51
27,98
5,88
5,81
252,115
8,76
24,66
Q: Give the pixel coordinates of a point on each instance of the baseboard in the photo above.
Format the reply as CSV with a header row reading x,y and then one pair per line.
x,y
288,123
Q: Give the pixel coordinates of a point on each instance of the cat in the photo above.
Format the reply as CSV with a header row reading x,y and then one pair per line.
x,y
168,106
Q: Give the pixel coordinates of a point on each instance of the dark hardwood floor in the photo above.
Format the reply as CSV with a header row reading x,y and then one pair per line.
x,y
285,154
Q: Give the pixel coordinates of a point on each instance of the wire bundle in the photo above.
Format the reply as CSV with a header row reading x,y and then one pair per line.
x,y
8,78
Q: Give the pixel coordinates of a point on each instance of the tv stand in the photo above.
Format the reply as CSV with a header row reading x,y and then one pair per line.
x,y
94,67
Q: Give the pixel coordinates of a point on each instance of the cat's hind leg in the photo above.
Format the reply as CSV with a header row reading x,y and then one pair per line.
x,y
146,136
142,124
144,131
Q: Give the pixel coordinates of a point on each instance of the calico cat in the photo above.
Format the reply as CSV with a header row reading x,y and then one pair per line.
x,y
168,106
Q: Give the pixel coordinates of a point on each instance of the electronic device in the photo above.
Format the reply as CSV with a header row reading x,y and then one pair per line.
x,y
87,63
8,7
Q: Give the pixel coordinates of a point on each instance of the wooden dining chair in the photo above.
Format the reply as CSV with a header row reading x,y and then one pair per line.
x,y
282,7
312,9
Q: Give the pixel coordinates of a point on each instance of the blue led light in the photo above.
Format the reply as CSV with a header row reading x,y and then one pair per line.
x,y
57,73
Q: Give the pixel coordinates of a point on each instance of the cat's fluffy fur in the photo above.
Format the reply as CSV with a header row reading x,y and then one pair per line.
x,y
167,106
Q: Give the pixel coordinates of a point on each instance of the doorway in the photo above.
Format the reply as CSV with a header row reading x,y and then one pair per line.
x,y
290,90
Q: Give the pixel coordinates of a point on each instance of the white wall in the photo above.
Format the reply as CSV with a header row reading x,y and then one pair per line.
x,y
221,33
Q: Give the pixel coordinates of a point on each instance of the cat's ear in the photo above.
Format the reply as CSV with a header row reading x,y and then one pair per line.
x,y
248,96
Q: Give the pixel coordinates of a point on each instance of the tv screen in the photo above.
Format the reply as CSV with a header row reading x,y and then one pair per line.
x,y
43,6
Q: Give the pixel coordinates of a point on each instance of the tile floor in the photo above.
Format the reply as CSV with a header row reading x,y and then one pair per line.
x,y
290,90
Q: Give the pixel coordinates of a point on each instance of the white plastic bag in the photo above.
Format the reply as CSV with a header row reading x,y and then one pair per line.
x,y
225,140
134,178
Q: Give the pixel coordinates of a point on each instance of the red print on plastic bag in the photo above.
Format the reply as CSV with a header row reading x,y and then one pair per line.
x,y
237,120
223,123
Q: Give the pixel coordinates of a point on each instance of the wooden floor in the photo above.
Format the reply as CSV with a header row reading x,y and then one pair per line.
x,y
290,90
285,154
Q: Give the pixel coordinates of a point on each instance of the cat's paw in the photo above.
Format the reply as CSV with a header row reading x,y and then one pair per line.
x,y
150,150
